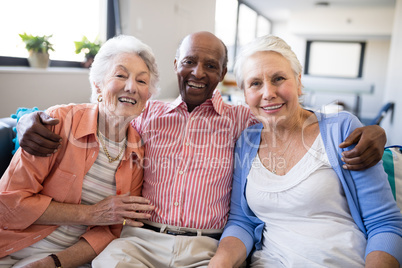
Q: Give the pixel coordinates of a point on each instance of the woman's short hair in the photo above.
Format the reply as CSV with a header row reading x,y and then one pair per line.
x,y
265,43
114,47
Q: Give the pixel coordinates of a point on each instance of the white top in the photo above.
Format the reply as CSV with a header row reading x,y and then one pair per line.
x,y
307,219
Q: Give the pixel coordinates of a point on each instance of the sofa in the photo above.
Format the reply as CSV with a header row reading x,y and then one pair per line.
x,y
7,145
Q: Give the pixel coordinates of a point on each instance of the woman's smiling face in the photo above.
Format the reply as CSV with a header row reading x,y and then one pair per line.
x,y
125,88
271,88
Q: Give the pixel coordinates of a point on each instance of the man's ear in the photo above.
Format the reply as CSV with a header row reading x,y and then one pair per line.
x,y
175,64
224,71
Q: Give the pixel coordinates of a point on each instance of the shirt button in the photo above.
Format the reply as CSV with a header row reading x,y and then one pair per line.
x,y
187,143
176,204
181,172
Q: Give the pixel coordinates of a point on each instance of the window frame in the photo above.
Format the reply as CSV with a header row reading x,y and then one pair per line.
x,y
361,57
236,43
113,28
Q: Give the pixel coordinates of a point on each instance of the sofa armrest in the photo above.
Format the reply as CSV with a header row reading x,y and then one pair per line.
x,y
6,141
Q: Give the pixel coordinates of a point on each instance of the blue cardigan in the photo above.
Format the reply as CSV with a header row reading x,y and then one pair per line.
x,y
368,193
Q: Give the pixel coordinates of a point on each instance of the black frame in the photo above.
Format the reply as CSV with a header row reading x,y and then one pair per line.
x,y
236,44
113,29
362,51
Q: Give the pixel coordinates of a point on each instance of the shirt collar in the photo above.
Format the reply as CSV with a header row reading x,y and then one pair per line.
x,y
216,102
90,117
89,126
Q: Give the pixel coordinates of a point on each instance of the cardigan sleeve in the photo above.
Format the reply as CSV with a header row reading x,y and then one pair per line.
x,y
242,223
369,196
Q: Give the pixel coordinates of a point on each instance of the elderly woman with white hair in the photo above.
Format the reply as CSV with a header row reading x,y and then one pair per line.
x,y
63,210
292,202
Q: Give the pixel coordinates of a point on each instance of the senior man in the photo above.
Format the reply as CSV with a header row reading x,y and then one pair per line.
x,y
188,173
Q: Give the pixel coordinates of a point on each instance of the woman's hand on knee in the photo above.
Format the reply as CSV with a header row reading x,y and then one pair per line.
x,y
121,209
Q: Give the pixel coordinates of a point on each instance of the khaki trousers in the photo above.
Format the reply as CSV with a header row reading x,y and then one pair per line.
x,y
139,247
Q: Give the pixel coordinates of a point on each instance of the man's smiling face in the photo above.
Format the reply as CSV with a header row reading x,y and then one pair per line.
x,y
199,67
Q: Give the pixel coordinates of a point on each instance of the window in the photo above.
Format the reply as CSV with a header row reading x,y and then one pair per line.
x,y
334,59
238,24
66,20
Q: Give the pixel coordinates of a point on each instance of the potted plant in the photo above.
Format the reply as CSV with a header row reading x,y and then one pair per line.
x,y
38,48
88,48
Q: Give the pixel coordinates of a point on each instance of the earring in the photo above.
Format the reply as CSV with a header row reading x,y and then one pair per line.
x,y
100,98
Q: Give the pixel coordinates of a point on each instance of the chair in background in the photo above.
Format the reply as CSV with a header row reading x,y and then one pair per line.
x,y
387,108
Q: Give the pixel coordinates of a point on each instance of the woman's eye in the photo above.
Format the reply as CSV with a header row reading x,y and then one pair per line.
x,y
278,79
142,82
254,84
120,75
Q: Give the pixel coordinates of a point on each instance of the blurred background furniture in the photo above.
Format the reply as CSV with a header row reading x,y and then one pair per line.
x,y
6,141
387,108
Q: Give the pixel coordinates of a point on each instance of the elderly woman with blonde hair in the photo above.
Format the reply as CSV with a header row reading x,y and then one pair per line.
x,y
292,202
65,209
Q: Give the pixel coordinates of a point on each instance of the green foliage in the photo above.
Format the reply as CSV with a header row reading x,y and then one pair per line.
x,y
37,43
89,48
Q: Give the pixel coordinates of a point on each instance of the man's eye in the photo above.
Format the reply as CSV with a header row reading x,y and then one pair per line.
x,y
188,62
211,66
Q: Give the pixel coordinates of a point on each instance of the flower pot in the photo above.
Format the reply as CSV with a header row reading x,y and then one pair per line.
x,y
38,59
88,62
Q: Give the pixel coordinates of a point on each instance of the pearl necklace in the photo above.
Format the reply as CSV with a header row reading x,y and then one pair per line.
x,y
102,140
276,158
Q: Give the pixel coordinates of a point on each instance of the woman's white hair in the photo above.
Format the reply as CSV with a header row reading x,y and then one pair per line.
x,y
114,47
265,43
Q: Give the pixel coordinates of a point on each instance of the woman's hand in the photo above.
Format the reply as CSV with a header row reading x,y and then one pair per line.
x,y
230,253
111,210
369,148
119,209
217,262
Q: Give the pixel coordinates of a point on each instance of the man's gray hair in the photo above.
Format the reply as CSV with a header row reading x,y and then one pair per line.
x,y
114,47
265,43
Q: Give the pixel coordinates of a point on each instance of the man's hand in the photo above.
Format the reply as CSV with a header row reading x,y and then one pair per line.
x,y
34,137
369,149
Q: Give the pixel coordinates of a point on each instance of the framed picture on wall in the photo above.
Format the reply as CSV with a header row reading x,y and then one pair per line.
x,y
334,58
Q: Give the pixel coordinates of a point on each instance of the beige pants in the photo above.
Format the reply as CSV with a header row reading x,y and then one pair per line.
x,y
140,247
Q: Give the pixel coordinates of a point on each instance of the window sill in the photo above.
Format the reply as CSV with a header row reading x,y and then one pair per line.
x,y
49,70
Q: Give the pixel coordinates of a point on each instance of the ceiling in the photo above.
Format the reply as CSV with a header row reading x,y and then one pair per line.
x,y
280,10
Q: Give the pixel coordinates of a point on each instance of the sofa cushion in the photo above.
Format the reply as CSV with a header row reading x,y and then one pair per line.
x,y
392,161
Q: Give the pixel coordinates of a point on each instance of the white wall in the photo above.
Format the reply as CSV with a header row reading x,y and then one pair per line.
x,y
162,24
28,87
332,22
159,23
393,86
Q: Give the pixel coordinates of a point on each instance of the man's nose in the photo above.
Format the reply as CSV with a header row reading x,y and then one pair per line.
x,y
198,70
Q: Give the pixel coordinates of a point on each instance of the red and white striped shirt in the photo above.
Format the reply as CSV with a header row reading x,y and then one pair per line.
x,y
189,160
